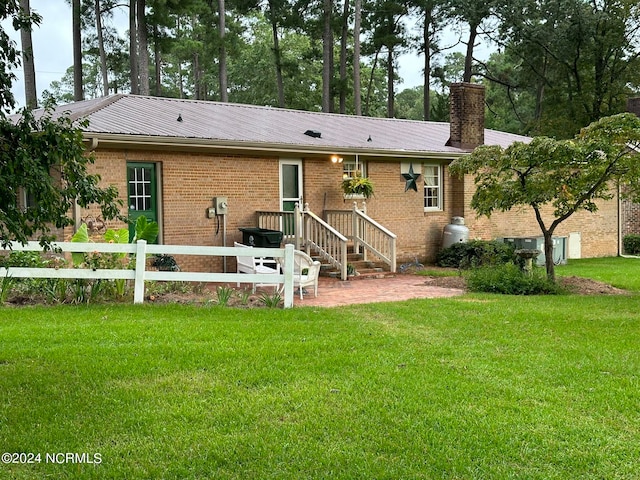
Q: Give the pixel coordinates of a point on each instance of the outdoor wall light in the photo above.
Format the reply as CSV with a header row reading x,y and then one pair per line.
x,y
336,159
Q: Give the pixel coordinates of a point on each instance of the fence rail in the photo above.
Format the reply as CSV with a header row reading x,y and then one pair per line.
x,y
139,275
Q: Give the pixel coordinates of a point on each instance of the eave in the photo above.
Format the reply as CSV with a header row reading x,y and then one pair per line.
x,y
141,142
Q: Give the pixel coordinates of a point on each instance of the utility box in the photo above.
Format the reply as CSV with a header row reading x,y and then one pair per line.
x,y
537,243
261,237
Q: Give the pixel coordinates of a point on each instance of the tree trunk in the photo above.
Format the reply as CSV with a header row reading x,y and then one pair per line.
x,y
197,76
28,62
277,55
357,95
222,65
157,58
133,48
426,102
143,47
78,91
390,82
370,84
468,59
548,253
103,55
343,58
327,56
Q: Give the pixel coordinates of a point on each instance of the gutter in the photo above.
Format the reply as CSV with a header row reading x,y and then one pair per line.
x,y
196,144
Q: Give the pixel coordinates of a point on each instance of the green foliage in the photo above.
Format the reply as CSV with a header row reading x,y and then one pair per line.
x,y
273,300
510,279
569,63
146,230
45,157
567,175
24,259
475,253
224,293
6,285
631,244
357,185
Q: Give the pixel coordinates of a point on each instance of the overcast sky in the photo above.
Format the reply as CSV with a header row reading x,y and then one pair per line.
x,y
53,49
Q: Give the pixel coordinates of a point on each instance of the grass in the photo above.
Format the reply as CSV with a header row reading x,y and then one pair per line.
x,y
617,271
478,386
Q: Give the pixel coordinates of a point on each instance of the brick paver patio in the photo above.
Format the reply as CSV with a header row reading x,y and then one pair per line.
x,y
333,292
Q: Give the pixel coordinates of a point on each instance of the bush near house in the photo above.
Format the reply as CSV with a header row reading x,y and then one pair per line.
x,y
510,279
475,253
631,244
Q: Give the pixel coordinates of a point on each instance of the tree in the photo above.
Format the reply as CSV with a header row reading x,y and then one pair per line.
x,y
101,51
578,59
78,89
357,24
31,95
473,12
566,175
42,156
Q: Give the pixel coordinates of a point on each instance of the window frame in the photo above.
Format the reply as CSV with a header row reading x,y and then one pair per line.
x,y
438,197
357,167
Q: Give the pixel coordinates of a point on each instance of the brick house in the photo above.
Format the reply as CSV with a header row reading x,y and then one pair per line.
x,y
170,158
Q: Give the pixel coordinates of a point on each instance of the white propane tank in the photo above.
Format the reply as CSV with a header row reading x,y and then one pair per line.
x,y
455,232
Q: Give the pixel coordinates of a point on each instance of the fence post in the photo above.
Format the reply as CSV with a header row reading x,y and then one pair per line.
x,y
141,263
288,275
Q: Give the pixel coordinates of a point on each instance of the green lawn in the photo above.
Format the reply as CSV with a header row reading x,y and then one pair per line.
x,y
478,386
617,271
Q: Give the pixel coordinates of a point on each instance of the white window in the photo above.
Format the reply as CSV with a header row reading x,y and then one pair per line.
x,y
432,175
28,200
350,167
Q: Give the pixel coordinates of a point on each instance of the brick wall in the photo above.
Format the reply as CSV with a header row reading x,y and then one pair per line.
x,y
189,181
419,232
466,113
599,230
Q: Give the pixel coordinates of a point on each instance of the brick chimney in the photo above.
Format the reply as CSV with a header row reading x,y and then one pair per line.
x,y
466,115
633,105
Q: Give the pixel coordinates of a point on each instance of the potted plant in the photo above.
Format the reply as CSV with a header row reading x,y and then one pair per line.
x,y
357,186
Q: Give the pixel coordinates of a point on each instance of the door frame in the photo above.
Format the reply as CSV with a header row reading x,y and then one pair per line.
x,y
290,161
156,191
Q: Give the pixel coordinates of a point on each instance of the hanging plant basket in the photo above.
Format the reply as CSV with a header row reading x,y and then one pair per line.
x,y
357,187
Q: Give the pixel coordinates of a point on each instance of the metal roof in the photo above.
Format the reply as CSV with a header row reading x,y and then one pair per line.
x,y
141,119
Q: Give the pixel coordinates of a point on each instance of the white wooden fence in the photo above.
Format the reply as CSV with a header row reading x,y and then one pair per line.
x,y
141,249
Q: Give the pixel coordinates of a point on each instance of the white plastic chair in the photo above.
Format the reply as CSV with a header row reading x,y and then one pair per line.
x,y
250,264
306,271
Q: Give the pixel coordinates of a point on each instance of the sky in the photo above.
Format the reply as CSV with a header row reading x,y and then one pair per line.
x,y
53,48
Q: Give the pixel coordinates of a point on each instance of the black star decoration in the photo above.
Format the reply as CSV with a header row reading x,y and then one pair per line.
x,y
411,178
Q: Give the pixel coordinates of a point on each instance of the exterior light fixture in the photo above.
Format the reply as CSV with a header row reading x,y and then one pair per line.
x,y
336,159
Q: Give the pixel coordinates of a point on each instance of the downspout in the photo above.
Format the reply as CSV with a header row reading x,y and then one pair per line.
x,y
619,221
77,220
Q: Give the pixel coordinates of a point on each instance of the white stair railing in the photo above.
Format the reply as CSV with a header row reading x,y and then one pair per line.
x,y
373,238
325,241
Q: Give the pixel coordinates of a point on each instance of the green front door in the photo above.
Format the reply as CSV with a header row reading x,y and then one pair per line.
x,y
141,179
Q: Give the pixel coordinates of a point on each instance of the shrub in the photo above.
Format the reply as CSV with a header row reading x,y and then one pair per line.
x,y
509,279
631,244
475,253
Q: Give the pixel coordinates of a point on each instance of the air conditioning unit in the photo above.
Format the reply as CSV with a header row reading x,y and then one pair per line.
x,y
537,243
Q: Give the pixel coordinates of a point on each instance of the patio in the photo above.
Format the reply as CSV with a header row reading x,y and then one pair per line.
x,y
333,292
